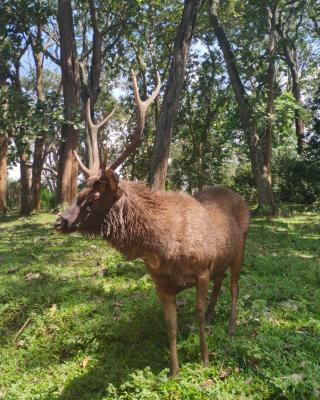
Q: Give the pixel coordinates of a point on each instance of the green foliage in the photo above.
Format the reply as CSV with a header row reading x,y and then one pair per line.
x,y
47,199
96,329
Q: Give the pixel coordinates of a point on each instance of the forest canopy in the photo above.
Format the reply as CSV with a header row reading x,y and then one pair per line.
x,y
238,106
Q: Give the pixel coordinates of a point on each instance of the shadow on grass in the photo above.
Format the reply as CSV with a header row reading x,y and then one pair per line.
x,y
131,335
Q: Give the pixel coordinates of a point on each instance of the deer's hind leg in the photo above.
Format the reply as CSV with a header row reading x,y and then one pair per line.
x,y
235,269
217,282
202,286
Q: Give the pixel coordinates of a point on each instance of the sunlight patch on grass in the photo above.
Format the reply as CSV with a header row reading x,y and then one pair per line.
x,y
95,328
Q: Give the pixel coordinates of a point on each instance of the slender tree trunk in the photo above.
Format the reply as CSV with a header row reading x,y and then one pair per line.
x,y
25,179
37,165
259,168
270,93
68,166
3,173
165,123
290,53
298,119
38,153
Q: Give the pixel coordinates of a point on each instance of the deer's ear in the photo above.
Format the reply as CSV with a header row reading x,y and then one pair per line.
x,y
112,182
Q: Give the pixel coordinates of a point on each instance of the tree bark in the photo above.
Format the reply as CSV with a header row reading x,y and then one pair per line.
x,y
25,179
37,165
291,56
38,153
3,173
258,164
165,123
270,93
68,166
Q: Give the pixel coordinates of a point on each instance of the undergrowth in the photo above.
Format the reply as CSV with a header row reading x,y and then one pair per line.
x,y
77,321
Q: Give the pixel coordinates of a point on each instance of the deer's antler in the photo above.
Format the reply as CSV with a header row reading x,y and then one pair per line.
x,y
142,107
94,166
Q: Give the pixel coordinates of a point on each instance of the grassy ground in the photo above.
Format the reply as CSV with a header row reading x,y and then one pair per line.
x,y
94,327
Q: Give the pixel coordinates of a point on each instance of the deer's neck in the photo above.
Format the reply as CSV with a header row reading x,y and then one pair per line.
x,y
130,224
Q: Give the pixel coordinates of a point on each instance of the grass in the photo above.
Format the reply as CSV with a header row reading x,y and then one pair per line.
x,y
95,328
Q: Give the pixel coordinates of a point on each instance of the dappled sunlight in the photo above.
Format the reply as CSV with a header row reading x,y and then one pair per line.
x,y
96,325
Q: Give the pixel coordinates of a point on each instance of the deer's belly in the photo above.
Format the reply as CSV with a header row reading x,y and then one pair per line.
x,y
172,278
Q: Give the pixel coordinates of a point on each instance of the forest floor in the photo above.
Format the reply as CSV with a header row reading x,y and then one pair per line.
x,y
79,322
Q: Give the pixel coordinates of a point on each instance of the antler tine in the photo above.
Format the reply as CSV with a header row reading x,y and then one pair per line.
x,y
142,106
81,165
88,113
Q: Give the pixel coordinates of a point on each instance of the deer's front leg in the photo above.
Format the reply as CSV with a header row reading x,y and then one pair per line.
x,y
202,287
168,302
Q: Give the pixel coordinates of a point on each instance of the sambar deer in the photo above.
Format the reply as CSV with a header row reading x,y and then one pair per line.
x,y
185,241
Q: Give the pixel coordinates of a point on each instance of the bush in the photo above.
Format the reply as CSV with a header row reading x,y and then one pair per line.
x,y
47,199
297,179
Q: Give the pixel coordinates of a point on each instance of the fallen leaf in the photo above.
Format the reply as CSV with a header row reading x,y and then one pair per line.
x,y
85,362
207,383
53,309
32,276
224,374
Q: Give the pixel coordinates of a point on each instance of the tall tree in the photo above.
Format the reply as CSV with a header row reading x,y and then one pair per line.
x,y
256,146
3,172
68,166
166,120
290,51
38,153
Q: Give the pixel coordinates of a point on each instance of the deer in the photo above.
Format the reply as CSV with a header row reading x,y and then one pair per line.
x,y
185,241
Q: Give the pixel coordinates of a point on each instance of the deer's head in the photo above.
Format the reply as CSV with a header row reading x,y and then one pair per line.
x,y
102,190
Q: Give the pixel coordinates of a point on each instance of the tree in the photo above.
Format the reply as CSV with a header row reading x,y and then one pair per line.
x,y
3,172
68,166
165,123
257,156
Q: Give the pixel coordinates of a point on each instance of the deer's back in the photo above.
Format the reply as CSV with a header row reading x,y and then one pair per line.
x,y
225,201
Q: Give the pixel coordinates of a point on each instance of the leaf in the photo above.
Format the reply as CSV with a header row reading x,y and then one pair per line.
x,y
207,383
224,373
85,362
53,309
33,276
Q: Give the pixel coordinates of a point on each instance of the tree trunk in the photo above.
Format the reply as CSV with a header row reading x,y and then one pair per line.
x,y
258,165
297,95
25,179
38,154
68,166
290,53
3,173
165,123
270,92
37,165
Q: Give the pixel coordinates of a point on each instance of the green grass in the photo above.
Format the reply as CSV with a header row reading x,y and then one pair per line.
x,y
95,328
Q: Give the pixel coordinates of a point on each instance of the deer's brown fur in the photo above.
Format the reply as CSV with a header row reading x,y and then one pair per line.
x,y
185,241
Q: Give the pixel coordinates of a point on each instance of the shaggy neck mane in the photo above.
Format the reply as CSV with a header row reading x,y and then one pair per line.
x,y
130,220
